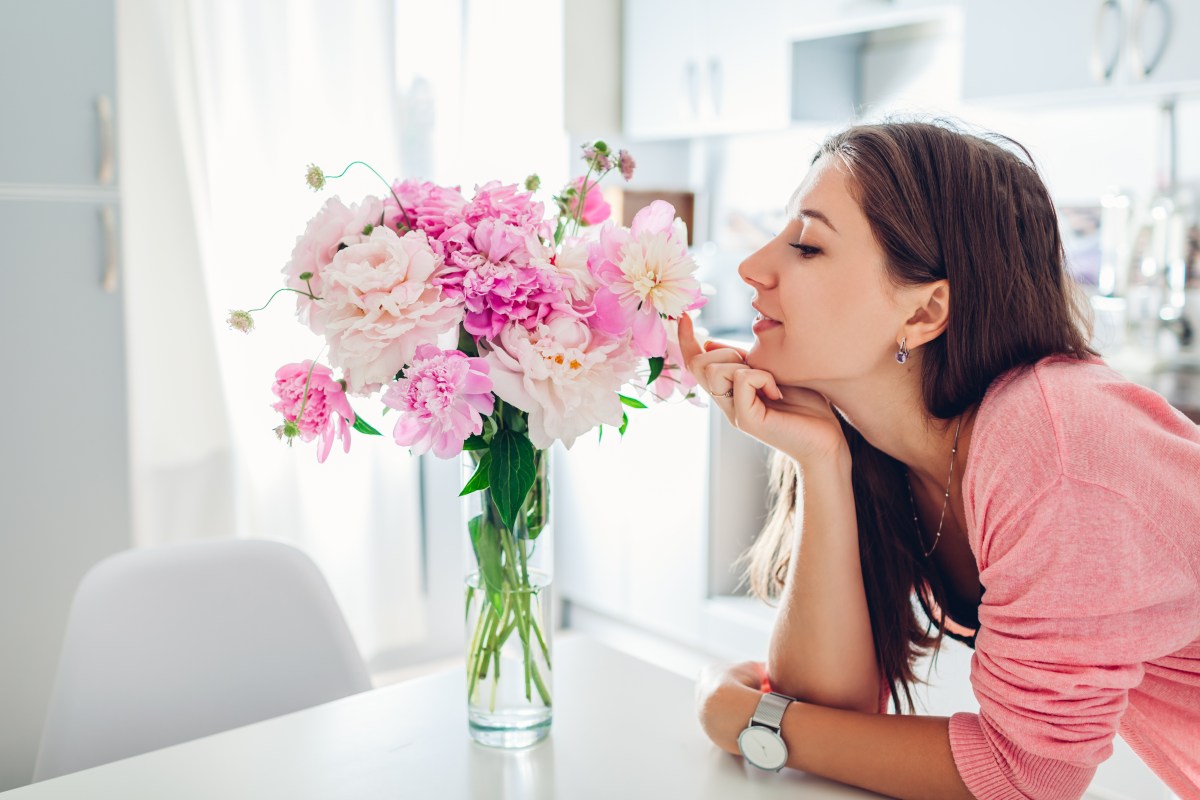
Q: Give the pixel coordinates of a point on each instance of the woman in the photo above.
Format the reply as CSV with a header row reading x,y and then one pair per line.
x,y
920,362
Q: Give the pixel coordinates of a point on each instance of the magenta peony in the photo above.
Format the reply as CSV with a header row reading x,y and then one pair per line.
x,y
502,274
326,411
595,208
428,207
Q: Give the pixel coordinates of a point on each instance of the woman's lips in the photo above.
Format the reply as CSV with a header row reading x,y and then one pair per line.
x,y
762,323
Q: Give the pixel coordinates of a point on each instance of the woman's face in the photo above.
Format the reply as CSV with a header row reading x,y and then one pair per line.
x,y
823,279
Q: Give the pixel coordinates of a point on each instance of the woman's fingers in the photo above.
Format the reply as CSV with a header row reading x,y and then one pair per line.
x,y
746,384
701,361
713,345
688,345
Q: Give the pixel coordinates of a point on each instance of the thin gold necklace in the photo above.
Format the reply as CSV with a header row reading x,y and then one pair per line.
x,y
937,537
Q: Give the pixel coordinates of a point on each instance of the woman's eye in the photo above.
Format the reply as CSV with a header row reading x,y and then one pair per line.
x,y
806,250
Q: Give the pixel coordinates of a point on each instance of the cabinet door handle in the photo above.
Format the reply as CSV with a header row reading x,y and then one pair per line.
x,y
715,84
108,221
1144,66
1103,67
104,116
692,87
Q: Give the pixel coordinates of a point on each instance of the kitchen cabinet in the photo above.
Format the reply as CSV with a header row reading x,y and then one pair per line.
x,y
714,68
1080,50
57,86
708,67
65,478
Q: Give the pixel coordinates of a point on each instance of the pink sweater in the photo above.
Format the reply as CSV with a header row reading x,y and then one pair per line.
x,y
1082,497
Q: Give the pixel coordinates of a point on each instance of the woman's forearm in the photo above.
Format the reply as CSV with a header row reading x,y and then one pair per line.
x,y
902,756
821,647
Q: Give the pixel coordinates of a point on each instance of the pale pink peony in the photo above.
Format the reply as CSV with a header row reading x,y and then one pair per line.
x,y
379,304
595,208
334,225
645,274
563,374
325,400
442,398
502,273
429,207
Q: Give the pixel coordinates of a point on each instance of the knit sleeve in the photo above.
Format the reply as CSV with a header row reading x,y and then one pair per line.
x,y
1079,591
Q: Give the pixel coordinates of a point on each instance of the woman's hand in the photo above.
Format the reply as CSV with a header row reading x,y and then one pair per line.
x,y
726,697
794,420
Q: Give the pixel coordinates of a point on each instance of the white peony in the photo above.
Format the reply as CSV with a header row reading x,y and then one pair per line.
x,y
564,374
573,261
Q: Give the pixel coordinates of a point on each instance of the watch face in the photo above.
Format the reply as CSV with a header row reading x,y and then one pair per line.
x,y
763,748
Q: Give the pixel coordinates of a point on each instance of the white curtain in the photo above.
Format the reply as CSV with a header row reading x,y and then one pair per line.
x,y
241,97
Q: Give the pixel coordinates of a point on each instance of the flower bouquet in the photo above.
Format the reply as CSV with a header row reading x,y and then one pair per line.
x,y
491,330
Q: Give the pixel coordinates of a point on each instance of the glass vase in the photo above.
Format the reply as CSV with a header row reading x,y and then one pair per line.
x,y
508,614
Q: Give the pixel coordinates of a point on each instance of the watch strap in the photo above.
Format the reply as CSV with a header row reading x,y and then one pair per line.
x,y
769,712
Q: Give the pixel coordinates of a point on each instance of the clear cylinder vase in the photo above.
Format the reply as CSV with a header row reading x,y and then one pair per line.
x,y
509,636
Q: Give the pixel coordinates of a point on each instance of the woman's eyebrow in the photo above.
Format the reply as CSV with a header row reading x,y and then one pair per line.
x,y
817,215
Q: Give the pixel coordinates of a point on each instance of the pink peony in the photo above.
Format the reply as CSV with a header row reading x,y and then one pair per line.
x,y
442,398
645,273
379,303
502,273
674,378
325,399
334,225
562,373
429,207
507,203
595,208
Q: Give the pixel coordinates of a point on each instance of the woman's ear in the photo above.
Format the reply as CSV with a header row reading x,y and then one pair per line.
x,y
932,313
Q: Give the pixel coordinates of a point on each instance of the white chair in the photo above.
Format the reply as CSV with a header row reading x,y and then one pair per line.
x,y
172,643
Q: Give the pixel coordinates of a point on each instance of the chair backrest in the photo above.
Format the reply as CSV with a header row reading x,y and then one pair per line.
x,y
171,643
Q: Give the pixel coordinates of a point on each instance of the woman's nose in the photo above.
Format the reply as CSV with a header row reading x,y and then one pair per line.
x,y
754,270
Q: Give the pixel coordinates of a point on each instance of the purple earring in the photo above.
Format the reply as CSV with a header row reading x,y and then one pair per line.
x,y
902,353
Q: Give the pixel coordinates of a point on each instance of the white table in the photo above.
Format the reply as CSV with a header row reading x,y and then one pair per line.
x,y
623,729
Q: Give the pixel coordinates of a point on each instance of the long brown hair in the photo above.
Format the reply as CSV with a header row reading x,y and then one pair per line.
x,y
971,209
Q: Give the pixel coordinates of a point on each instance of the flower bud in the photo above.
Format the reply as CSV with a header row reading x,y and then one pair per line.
x,y
241,321
315,177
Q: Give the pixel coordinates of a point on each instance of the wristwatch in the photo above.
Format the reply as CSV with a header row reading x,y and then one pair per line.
x,y
760,742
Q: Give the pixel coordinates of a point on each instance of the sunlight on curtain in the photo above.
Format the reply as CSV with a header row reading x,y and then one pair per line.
x,y
459,92
277,86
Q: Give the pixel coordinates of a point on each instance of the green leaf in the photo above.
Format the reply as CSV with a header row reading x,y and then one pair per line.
x,y
512,473
485,541
362,426
624,423
656,368
480,479
631,402
475,442
466,342
600,433
535,518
